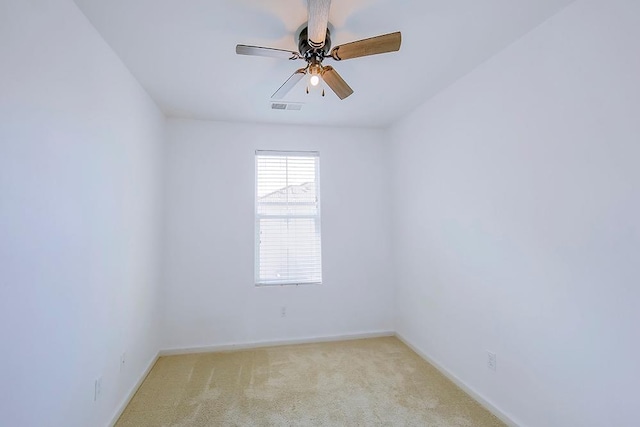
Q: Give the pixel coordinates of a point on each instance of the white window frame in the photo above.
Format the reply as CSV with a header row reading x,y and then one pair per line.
x,y
258,216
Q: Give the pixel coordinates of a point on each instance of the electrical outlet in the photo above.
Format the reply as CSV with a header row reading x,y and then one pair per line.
x,y
123,359
97,389
283,312
491,360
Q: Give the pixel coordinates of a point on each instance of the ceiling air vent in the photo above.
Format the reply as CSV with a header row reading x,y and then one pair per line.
x,y
286,106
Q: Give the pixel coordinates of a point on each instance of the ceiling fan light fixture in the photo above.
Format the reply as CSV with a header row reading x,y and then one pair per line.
x,y
315,69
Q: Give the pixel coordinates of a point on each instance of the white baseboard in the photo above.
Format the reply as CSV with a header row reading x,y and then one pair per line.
x,y
133,390
457,381
258,344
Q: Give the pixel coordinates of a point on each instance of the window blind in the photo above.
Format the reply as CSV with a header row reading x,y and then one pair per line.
x,y
287,218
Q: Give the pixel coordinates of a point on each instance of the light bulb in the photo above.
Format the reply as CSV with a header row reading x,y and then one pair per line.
x,y
314,80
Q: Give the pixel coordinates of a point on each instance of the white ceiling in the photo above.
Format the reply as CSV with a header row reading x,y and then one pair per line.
x,y
183,52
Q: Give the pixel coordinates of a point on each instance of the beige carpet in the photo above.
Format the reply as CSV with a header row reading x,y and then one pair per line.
x,y
369,382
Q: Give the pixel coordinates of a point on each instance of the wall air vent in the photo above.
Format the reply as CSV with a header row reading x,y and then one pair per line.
x,y
286,106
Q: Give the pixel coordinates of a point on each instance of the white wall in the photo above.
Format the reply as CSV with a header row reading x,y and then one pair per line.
x,y
80,157
210,297
517,200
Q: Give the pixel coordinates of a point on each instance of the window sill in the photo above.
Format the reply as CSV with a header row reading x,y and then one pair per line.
x,y
270,285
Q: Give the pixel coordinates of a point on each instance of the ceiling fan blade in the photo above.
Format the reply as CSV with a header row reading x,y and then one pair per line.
x,y
242,49
371,46
318,21
335,82
289,84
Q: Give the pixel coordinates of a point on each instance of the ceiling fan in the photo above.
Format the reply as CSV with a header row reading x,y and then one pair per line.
x,y
314,43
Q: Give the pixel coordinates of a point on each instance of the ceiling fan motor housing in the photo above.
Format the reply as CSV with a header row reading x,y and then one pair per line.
x,y
308,51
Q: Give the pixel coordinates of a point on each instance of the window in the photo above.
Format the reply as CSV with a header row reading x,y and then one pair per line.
x,y
287,218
